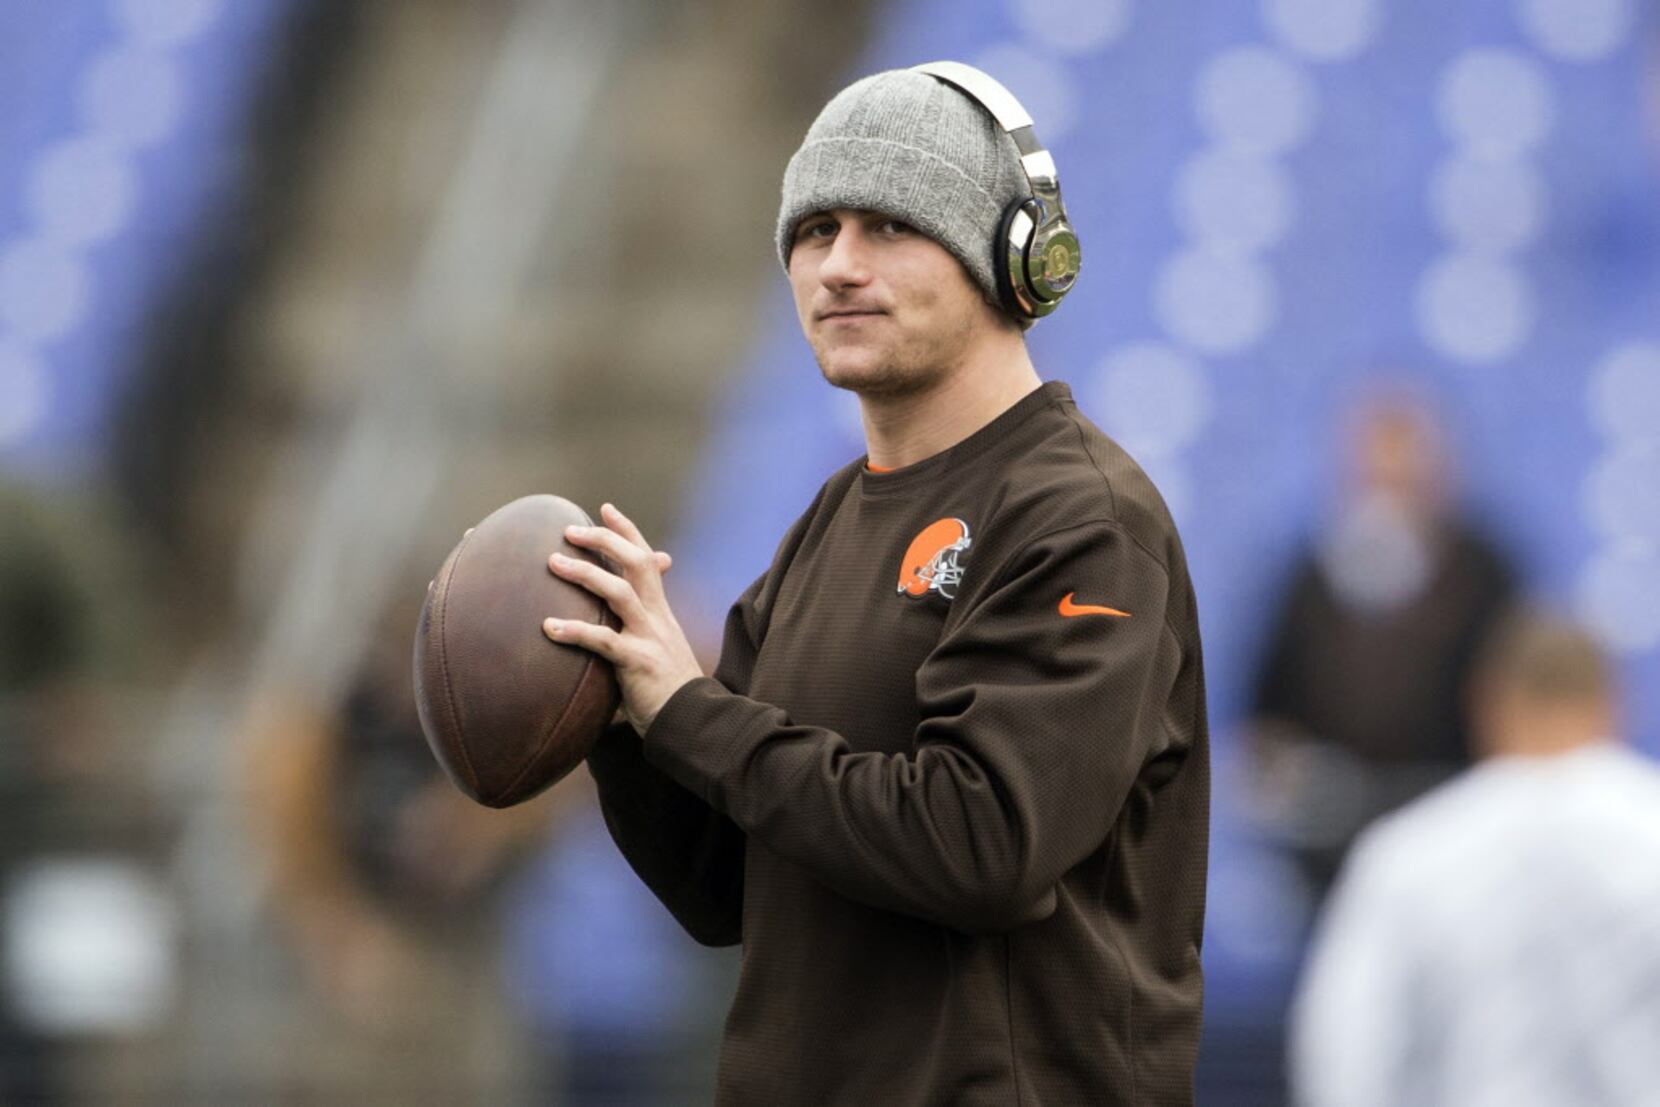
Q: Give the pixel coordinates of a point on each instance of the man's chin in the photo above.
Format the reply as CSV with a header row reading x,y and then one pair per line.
x,y
871,375
874,381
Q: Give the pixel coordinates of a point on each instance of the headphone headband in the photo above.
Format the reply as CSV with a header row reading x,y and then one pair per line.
x,y
1042,255
999,101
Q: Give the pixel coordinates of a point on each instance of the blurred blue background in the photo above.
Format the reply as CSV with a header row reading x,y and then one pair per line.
x,y
117,145
291,292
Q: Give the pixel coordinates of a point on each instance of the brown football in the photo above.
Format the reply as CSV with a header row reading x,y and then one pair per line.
x,y
506,710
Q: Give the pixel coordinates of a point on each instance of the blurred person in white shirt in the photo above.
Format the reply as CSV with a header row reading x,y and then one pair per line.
x,y
1498,940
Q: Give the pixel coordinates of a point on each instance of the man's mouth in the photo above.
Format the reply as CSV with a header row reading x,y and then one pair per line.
x,y
851,313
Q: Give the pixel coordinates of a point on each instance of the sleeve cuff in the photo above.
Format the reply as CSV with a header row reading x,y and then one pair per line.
x,y
701,732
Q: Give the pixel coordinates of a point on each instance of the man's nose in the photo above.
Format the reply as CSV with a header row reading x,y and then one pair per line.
x,y
847,262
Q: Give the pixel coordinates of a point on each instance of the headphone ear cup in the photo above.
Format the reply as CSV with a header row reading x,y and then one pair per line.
x,y
1009,258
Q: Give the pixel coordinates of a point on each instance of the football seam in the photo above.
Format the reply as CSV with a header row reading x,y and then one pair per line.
x,y
605,619
547,735
444,667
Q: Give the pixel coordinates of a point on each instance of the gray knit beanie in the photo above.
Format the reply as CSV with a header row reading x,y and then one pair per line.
x,y
908,145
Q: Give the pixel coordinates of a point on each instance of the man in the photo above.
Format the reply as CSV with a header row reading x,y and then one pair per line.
x,y
1361,699
1498,941
949,783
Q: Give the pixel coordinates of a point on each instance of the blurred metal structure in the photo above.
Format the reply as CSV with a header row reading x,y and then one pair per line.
x,y
436,369
430,374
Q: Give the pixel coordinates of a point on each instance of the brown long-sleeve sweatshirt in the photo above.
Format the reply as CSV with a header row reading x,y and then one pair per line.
x,y
949,786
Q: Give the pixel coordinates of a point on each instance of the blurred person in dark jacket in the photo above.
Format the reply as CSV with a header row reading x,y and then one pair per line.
x,y
42,625
1359,703
84,919
1498,941
388,880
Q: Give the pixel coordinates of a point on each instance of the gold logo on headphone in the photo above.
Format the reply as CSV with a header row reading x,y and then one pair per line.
x,y
1057,261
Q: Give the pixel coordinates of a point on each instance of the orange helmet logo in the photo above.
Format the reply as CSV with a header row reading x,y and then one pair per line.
x,y
932,562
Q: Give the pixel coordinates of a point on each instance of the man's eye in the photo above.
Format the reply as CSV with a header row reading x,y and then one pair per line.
x,y
820,229
896,226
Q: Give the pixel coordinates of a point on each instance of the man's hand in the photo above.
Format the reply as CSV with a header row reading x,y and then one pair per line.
x,y
650,652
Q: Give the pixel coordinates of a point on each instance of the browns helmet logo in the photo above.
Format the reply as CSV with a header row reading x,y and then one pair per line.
x,y
933,561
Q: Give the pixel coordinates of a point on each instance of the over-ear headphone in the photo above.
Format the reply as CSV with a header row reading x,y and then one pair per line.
x,y
1036,254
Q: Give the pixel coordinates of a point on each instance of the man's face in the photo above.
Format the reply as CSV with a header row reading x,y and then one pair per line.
x,y
1397,454
886,309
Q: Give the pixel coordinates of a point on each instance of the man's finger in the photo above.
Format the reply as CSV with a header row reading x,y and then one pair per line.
x,y
610,543
614,590
637,565
623,525
589,636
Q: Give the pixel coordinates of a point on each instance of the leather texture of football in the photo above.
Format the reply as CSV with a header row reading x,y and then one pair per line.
x,y
507,711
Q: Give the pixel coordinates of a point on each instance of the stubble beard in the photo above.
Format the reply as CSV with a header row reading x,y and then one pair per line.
x,y
910,369
889,378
